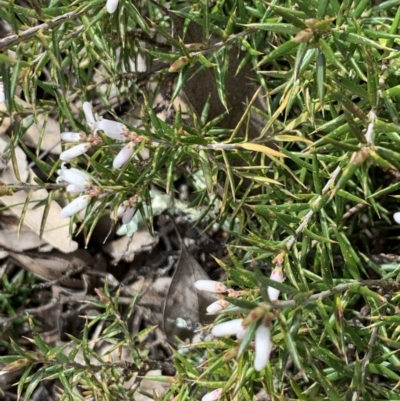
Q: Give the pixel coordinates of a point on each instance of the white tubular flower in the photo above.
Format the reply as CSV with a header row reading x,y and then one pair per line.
x,y
87,109
396,217
276,275
75,151
112,6
75,206
241,332
112,129
263,347
230,328
213,396
72,137
210,286
75,177
2,95
124,155
128,214
125,212
122,209
75,189
217,306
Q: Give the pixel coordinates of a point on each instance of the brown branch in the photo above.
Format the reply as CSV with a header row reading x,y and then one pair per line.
x,y
13,39
336,290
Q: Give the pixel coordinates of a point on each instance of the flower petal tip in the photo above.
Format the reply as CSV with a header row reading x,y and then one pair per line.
x,y
229,328
112,6
210,286
213,395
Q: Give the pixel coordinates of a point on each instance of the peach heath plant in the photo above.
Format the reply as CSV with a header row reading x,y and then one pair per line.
x,y
79,181
330,106
237,327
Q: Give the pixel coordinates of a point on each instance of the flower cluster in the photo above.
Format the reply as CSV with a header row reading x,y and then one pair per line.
x,y
126,210
238,327
79,181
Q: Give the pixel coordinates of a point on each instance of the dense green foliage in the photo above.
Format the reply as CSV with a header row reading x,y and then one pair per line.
x,y
311,186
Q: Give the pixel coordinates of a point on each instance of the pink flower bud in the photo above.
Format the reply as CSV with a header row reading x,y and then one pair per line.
x,y
72,137
230,328
210,286
124,155
111,6
276,275
177,65
254,315
75,151
75,206
263,347
112,129
214,395
196,46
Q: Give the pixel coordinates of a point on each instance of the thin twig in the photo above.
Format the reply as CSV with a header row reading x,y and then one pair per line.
x,y
367,357
335,290
23,187
311,212
11,40
215,46
43,155
374,336
355,209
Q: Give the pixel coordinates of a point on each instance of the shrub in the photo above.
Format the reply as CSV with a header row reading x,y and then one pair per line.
x,y
283,119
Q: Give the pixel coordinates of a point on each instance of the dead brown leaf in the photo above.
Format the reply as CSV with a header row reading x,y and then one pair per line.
x,y
184,303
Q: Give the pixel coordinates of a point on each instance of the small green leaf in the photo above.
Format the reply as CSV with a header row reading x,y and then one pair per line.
x,y
282,50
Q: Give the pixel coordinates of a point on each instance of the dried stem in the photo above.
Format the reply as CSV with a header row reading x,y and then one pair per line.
x,y
336,290
11,40
311,212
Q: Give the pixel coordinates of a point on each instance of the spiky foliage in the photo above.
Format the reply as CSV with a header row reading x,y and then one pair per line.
x,y
312,190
